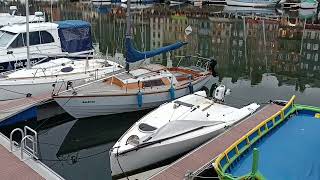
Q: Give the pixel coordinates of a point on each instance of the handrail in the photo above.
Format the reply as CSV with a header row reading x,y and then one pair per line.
x,y
12,141
220,169
23,146
23,143
35,140
199,59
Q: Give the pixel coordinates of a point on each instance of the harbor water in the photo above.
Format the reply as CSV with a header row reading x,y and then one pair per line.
x,y
262,55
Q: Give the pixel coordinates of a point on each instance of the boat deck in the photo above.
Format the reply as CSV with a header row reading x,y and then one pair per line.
x,y
105,88
202,157
13,107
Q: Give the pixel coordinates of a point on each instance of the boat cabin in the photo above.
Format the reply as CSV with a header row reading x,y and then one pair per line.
x,y
153,76
45,40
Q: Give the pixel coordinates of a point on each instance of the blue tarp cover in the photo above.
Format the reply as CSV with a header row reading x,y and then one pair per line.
x,y
75,35
289,153
133,55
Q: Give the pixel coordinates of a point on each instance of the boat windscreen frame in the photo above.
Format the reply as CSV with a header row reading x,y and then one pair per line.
x,y
8,42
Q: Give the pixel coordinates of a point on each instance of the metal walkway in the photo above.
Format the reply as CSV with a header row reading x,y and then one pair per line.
x,y
201,158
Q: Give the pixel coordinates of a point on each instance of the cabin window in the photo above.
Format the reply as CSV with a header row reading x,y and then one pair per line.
x,y
151,83
6,38
18,42
146,127
40,37
46,37
34,38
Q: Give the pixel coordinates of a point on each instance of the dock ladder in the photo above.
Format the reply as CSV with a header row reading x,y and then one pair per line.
x,y
28,143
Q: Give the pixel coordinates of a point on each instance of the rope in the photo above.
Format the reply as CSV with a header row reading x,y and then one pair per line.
x,y
78,158
44,121
120,165
13,91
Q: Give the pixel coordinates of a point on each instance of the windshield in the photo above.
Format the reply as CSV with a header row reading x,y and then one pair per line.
x,y
5,38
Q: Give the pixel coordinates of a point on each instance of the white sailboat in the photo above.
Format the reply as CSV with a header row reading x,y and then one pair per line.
x,y
140,88
53,76
56,74
174,128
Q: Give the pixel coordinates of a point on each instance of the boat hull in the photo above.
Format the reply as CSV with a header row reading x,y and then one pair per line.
x,y
10,92
88,106
251,4
144,157
20,88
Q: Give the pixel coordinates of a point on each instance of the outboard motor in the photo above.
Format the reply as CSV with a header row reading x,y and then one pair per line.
x,y
212,65
221,92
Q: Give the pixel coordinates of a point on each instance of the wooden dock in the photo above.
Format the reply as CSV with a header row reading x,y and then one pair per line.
x,y
12,168
11,108
201,158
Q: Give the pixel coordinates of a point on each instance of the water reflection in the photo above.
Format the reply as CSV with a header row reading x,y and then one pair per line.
x,y
262,54
79,149
246,47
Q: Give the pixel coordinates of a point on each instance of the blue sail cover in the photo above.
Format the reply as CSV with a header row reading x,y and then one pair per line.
x,y
133,55
75,35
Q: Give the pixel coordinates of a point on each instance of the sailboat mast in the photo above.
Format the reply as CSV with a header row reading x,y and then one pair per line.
x,y
128,33
27,34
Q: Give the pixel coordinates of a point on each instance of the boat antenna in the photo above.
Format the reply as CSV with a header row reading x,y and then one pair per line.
x,y
128,32
27,33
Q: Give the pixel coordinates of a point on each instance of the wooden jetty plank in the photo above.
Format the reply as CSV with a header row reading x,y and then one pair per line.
x,y
12,107
8,105
12,168
201,157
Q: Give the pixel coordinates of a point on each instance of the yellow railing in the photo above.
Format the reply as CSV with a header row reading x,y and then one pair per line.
x,y
226,158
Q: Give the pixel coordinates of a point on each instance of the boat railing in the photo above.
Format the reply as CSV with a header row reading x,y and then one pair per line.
x,y
200,62
29,136
224,161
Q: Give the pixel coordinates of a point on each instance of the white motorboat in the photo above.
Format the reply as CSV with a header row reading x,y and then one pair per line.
x,y
62,39
55,75
11,18
174,128
254,3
